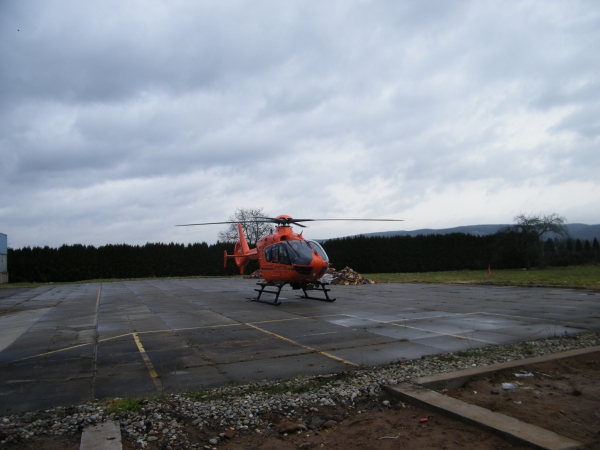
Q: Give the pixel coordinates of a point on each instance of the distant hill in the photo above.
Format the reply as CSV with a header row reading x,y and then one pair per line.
x,y
576,230
583,231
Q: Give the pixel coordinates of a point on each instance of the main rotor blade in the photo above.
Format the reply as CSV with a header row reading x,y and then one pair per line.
x,y
295,221
283,221
288,221
220,223
361,220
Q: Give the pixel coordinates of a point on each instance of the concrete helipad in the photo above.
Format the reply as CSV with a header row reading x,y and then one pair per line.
x,y
65,344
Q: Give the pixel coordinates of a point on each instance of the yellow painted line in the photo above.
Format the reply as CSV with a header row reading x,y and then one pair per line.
x,y
524,317
162,331
314,350
325,315
507,315
281,320
153,374
171,330
423,329
203,327
447,334
96,327
116,337
298,318
430,317
241,323
268,332
62,349
407,320
98,300
46,354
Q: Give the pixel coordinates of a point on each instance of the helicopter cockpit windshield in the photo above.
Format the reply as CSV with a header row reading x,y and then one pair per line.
x,y
290,252
300,252
319,250
294,252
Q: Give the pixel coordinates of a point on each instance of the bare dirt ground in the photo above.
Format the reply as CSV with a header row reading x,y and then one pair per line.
x,y
562,396
66,442
376,428
70,442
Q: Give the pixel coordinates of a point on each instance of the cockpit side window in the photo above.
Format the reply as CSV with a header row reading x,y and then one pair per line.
x,y
269,253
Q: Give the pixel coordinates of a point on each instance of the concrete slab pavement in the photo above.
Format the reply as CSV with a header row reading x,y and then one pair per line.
x,y
66,344
103,436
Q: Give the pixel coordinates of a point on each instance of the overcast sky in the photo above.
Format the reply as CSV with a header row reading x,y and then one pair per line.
x,y
121,119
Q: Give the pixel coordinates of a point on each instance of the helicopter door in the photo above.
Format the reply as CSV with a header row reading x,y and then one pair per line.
x,y
269,254
278,254
284,257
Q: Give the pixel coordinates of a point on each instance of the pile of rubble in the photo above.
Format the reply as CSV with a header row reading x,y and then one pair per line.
x,y
346,276
257,274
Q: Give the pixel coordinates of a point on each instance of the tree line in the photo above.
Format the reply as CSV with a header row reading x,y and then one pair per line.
x,y
79,262
425,253
456,251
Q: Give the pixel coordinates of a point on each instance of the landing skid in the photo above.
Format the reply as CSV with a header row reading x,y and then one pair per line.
x,y
316,286
262,291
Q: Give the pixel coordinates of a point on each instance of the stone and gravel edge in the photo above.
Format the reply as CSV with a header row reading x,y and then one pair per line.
x,y
220,413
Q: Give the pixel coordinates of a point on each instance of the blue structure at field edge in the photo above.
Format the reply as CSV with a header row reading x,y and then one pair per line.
x,y
3,258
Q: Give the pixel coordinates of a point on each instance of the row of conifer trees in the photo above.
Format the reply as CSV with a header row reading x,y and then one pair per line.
x,y
429,253
457,251
80,262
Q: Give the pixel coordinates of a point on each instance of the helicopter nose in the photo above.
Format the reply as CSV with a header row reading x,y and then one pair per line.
x,y
319,267
323,270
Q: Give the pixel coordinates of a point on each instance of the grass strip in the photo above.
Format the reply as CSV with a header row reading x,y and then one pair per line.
x,y
579,277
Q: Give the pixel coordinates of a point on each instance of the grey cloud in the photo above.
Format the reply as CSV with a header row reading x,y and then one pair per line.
x,y
409,97
110,50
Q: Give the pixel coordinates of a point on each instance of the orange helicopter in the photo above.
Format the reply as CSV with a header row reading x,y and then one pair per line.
x,y
284,257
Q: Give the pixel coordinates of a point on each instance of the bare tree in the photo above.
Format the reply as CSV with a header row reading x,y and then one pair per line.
x,y
529,229
252,230
540,225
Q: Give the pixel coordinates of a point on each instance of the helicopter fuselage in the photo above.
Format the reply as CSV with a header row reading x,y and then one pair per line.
x,y
286,256
283,256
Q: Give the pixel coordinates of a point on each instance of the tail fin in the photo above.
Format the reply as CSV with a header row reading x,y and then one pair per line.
x,y
241,252
245,247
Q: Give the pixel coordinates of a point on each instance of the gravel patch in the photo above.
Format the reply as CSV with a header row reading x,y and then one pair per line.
x,y
215,415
